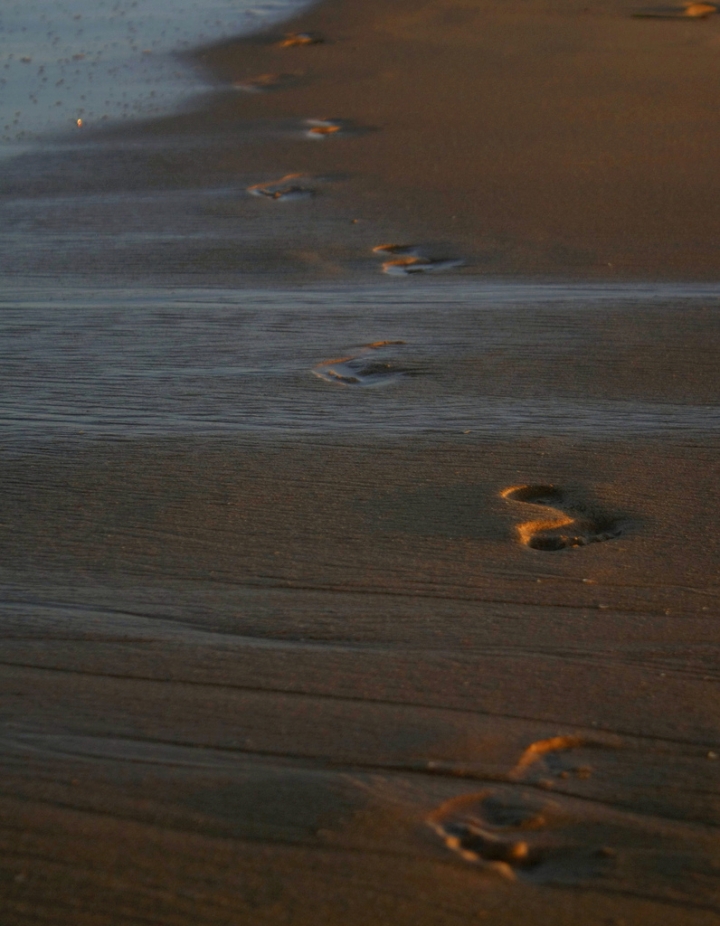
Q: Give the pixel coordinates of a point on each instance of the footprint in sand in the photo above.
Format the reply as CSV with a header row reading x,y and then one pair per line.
x,y
518,835
319,129
297,39
687,11
409,259
265,83
561,525
398,250
563,758
282,190
373,365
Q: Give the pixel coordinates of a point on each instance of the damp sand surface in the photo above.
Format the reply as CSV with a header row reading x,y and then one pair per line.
x,y
337,597
566,137
279,647
305,680
466,358
563,139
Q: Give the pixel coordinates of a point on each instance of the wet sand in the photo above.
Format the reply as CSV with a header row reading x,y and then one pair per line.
x,y
562,139
553,138
370,600
241,682
285,649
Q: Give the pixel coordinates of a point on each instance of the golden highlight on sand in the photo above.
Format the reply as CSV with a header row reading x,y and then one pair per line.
x,y
546,532
687,11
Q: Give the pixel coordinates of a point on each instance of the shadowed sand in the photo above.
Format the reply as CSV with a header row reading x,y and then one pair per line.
x,y
280,648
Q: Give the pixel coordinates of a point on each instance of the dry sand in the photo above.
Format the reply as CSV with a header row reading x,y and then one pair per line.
x,y
332,679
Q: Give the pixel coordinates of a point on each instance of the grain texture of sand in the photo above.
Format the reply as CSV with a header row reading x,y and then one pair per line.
x,y
562,138
370,600
286,682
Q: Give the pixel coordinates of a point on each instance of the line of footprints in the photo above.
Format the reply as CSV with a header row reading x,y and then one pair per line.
x,y
516,834
400,260
558,522
561,525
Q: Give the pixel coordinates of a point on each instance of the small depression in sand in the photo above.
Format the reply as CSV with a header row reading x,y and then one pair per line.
x,y
562,525
604,837
374,364
517,835
398,250
266,83
561,757
319,129
298,39
409,266
411,259
290,188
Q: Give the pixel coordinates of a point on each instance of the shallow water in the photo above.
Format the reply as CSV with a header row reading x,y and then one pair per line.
x,y
106,60
473,357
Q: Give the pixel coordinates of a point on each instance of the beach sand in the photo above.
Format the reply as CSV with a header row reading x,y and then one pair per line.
x,y
241,682
279,649
338,668
562,139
